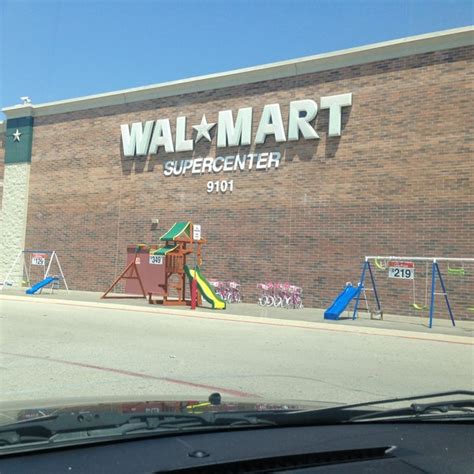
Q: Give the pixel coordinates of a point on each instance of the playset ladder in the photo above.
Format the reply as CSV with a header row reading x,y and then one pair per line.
x,y
179,286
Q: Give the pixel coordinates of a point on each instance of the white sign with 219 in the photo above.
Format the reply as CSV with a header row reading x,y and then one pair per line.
x,y
403,270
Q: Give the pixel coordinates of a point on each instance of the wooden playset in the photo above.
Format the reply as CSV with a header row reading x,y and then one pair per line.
x,y
179,244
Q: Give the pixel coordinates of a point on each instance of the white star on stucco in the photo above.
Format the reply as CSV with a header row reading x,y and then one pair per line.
x,y
203,129
16,136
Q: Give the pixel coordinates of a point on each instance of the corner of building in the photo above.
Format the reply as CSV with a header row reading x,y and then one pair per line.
x,y
17,136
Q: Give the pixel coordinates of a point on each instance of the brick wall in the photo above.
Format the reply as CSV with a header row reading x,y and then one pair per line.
x,y
398,181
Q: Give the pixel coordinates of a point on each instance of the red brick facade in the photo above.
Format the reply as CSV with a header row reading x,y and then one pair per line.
x,y
400,180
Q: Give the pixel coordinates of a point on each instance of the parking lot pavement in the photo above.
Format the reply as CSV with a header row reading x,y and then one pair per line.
x,y
62,349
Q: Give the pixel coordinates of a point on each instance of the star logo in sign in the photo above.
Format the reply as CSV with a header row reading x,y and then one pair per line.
x,y
16,136
203,129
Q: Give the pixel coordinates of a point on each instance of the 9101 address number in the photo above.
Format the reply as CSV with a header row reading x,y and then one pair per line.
x,y
220,186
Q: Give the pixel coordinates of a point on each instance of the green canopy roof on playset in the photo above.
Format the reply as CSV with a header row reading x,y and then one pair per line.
x,y
164,250
177,231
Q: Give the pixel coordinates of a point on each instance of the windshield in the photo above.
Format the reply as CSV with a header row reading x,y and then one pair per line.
x,y
271,202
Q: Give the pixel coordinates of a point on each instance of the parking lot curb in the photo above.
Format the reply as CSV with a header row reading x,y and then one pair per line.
x,y
226,317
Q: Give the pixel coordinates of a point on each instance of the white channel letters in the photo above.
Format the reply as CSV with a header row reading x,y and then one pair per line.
x,y
142,139
230,134
233,129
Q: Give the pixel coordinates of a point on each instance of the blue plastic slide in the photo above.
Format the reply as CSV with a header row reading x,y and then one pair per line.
x,y
341,302
39,285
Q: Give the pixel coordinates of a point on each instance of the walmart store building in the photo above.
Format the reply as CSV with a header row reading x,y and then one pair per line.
x,y
295,170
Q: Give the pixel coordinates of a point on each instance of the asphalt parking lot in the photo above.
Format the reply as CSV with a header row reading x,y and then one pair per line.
x,y
65,348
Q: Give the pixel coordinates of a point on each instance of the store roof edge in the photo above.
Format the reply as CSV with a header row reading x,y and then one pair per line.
x,y
403,47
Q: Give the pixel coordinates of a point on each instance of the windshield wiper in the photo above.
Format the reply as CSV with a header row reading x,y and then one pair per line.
x,y
87,425
68,426
462,407
44,428
365,411
98,424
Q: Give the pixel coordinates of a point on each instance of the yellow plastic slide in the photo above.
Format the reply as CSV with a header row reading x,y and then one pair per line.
x,y
205,288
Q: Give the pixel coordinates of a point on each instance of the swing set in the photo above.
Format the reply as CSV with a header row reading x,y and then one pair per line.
x,y
455,268
35,262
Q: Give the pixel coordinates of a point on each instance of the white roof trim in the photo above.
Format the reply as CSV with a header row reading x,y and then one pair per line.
x,y
419,44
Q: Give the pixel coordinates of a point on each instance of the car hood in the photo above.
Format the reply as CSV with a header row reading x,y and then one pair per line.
x,y
11,412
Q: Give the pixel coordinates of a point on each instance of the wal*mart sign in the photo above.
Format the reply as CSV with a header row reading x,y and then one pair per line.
x,y
141,139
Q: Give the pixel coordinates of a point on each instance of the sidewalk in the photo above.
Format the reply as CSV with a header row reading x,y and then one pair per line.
x,y
254,311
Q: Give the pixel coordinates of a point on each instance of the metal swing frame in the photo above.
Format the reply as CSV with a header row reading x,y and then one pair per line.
x,y
53,256
435,274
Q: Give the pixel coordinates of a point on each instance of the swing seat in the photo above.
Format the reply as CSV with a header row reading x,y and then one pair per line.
x,y
456,271
379,265
419,307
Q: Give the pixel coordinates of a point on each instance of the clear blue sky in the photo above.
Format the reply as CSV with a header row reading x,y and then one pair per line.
x,y
52,50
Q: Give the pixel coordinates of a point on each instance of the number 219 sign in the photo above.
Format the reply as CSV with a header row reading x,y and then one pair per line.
x,y
403,270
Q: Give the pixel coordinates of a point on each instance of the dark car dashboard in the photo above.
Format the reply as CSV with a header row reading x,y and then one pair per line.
x,y
355,448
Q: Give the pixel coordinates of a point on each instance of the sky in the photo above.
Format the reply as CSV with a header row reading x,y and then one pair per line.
x,y
54,50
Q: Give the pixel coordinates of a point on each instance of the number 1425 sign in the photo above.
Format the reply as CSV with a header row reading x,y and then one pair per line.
x,y
404,270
